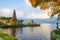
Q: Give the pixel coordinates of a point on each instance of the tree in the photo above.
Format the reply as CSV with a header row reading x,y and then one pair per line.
x,y
46,4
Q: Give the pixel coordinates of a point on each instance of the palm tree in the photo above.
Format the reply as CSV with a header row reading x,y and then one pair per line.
x,y
46,4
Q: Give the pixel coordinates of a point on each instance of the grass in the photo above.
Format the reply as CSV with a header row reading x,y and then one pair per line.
x,y
7,37
55,35
56,32
33,25
19,25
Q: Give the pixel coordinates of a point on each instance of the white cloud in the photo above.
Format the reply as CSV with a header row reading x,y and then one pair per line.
x,y
5,12
38,15
9,12
28,3
20,14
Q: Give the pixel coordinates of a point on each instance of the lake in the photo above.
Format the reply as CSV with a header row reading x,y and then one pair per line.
x,y
42,32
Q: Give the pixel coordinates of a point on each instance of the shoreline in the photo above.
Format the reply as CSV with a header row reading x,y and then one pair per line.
x,y
55,35
19,25
4,36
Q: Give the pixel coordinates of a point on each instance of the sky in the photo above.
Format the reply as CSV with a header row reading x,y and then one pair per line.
x,y
23,9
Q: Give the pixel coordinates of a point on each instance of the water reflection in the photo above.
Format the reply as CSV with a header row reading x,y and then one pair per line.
x,y
31,30
19,32
30,33
45,31
13,30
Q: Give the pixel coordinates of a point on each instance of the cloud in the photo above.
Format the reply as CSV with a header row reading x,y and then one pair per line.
x,y
37,15
9,12
20,14
5,12
27,3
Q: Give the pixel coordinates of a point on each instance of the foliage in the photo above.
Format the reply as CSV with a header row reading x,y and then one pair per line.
x,y
46,4
3,18
19,25
32,25
55,35
7,37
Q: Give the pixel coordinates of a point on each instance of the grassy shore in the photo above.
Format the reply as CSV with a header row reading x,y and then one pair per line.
x,y
55,35
7,37
19,25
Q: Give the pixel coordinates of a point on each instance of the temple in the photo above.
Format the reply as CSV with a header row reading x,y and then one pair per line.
x,y
14,19
31,22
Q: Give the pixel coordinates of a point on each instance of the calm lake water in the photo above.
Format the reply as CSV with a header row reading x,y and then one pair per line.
x,y
31,33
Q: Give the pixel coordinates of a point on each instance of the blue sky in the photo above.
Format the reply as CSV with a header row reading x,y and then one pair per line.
x,y
23,9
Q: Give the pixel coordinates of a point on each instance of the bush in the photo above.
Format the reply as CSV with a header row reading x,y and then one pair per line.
x,y
19,25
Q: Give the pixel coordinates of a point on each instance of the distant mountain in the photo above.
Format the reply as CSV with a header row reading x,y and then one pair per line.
x,y
50,20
